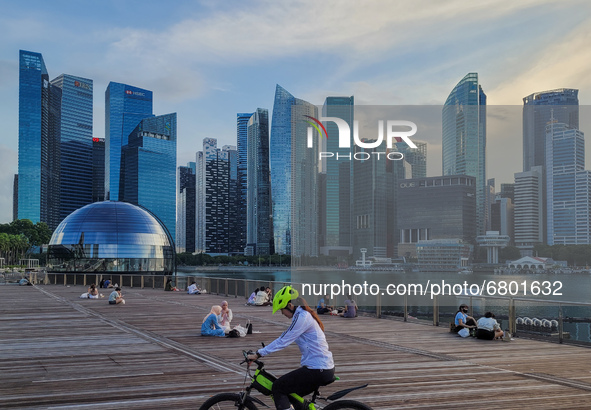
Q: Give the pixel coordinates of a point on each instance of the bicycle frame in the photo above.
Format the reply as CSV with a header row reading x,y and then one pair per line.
x,y
262,381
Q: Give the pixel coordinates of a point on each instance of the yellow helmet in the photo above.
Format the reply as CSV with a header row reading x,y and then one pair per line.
x,y
283,297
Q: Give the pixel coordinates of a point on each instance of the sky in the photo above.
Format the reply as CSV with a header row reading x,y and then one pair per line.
x,y
208,60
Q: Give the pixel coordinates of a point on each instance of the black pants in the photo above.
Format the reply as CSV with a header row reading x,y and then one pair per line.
x,y
469,322
485,334
302,381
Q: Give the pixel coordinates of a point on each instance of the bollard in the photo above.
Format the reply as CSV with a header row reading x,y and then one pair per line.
x,y
405,308
435,311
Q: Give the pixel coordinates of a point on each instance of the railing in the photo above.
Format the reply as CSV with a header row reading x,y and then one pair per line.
x,y
572,319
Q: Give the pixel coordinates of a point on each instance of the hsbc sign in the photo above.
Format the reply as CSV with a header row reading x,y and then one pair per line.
x,y
139,94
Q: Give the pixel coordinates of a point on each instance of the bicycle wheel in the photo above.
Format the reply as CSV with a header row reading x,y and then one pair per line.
x,y
227,401
347,404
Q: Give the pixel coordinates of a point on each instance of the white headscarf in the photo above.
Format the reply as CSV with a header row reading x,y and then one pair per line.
x,y
216,310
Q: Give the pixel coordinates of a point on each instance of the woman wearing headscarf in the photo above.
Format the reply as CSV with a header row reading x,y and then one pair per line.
x,y
210,325
225,317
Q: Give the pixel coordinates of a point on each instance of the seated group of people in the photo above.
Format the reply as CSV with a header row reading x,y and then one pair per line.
x,y
349,310
261,297
217,321
486,328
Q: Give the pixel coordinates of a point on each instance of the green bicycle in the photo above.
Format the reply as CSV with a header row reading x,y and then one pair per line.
x,y
262,381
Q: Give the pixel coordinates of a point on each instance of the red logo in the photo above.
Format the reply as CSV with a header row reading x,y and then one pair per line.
x,y
128,92
77,83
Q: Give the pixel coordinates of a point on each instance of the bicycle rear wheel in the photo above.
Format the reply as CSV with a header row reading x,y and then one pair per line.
x,y
227,401
347,405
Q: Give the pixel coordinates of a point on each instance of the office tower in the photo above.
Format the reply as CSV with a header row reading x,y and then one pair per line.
x,y
294,174
335,197
431,208
38,147
538,108
98,169
416,157
185,213
217,191
508,191
15,198
374,204
560,105
528,210
501,217
567,186
242,147
75,128
125,107
464,138
259,221
490,199
236,243
148,168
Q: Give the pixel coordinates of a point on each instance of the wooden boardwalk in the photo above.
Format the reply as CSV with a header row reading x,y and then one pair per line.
x,y
61,352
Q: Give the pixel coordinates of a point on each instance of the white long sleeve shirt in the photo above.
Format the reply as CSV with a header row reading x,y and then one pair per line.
x,y
306,332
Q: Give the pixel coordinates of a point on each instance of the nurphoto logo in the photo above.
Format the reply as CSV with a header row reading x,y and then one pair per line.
x,y
393,133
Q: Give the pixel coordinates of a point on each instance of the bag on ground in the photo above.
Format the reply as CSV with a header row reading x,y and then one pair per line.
x,y
464,332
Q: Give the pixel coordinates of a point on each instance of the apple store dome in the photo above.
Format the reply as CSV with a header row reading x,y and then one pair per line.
x,y
111,237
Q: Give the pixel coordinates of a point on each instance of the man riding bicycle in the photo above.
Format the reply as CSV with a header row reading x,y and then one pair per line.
x,y
307,331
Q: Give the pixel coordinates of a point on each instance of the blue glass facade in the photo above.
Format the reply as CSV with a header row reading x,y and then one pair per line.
x,y
148,168
125,107
98,169
259,222
39,136
464,138
337,199
110,237
280,163
75,129
242,148
567,189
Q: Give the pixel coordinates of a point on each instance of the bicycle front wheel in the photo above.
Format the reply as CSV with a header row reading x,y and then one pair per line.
x,y
227,401
347,405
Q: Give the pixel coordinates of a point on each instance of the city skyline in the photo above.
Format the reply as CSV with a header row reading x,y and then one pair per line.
x,y
363,52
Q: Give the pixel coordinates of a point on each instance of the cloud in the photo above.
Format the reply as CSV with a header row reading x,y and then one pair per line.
x,y
566,62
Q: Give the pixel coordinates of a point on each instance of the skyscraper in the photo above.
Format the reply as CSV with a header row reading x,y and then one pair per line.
x,y
528,210
538,108
242,148
125,107
148,168
560,105
75,130
185,223
335,197
567,186
98,169
416,157
464,138
259,221
216,182
294,177
38,147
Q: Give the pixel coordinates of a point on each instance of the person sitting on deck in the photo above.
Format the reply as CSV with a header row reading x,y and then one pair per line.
x,y
107,284
93,292
115,297
350,308
170,286
210,325
463,320
252,298
193,289
225,317
488,328
323,306
263,298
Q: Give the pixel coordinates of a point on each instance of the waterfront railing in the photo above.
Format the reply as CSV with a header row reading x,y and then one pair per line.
x,y
545,319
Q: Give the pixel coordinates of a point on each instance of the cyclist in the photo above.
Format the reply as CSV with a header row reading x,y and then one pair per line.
x,y
307,331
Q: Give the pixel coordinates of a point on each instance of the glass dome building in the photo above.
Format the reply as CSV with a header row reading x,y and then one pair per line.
x,y
111,237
